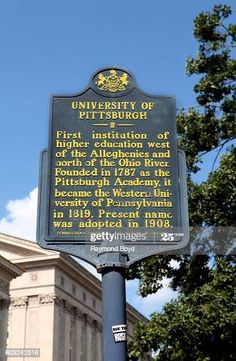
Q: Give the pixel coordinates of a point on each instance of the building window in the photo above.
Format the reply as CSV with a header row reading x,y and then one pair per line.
x,y
73,289
94,303
84,296
62,281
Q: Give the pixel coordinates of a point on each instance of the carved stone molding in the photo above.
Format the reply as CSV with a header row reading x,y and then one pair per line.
x,y
4,285
66,306
7,271
47,299
69,308
78,314
89,321
58,301
98,326
85,318
19,301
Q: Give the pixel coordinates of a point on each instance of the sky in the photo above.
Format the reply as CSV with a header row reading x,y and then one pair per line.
x,y
52,48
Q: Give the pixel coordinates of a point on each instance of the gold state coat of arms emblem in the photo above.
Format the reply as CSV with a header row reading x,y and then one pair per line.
x,y
112,82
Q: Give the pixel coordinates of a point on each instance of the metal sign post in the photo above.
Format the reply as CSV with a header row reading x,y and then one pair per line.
x,y
114,314
113,186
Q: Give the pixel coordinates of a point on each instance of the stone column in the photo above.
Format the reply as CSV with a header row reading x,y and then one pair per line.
x,y
4,304
99,341
73,338
70,330
84,338
18,327
59,330
89,326
94,341
78,332
66,326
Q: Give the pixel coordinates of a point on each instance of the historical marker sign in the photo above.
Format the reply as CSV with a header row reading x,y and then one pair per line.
x,y
112,178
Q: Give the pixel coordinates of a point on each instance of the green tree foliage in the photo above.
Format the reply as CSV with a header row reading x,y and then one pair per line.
x,y
216,90
197,327
200,325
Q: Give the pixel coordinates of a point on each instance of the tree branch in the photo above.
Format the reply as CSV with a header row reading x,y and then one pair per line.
x,y
220,145
197,106
217,155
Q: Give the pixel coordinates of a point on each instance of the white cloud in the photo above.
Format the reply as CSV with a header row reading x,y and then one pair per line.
x,y
151,303
20,220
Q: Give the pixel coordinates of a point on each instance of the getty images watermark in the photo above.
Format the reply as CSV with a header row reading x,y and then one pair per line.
x,y
20,352
201,240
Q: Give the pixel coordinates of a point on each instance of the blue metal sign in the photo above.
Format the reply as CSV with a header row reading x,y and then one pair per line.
x,y
112,180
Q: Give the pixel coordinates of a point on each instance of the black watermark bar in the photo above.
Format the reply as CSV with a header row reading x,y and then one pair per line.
x,y
201,240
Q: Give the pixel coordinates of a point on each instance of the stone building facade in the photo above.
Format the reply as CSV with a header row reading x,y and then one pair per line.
x,y
55,305
8,271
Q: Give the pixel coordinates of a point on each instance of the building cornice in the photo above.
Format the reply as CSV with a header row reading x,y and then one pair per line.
x,y
8,269
23,243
